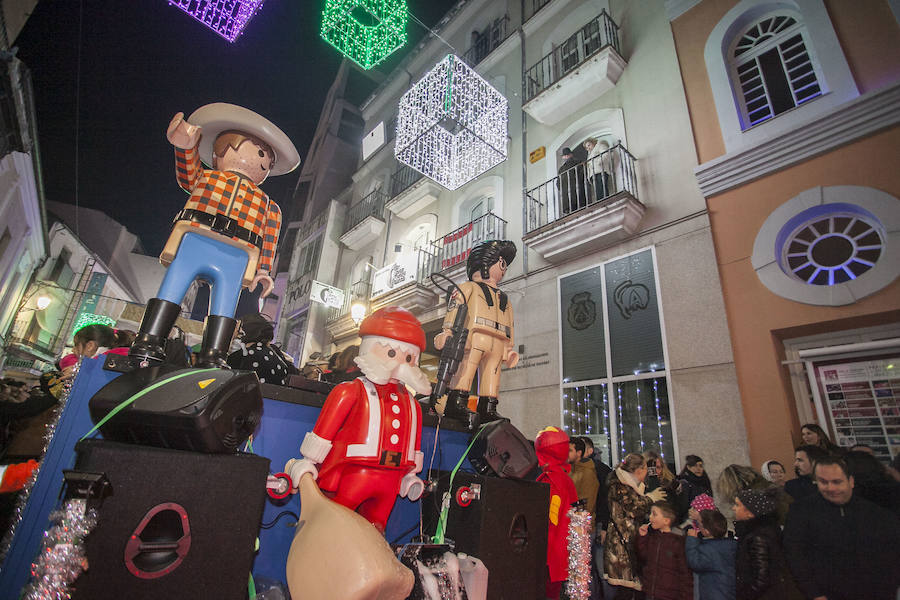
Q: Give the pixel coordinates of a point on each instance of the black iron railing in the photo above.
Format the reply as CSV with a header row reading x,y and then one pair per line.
x,y
370,206
582,186
403,178
597,34
532,6
355,293
486,41
453,248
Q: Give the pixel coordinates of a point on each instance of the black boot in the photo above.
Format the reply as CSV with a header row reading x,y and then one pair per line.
x,y
487,409
217,334
150,342
457,407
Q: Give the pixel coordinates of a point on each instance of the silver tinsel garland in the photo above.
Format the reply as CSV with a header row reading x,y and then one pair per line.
x,y
63,555
22,500
578,586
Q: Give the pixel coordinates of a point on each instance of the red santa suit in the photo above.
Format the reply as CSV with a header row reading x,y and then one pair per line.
x,y
375,432
366,441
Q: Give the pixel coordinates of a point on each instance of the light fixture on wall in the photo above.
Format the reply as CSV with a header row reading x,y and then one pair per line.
x,y
452,125
358,312
43,302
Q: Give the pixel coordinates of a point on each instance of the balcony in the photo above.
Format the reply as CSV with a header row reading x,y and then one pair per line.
x,y
487,41
339,323
451,251
404,283
532,6
364,221
410,192
575,73
586,208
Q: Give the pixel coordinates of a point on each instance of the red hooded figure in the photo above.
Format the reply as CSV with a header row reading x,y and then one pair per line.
x,y
552,448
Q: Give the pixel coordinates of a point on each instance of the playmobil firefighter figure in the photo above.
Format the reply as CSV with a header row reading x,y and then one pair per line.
x,y
228,230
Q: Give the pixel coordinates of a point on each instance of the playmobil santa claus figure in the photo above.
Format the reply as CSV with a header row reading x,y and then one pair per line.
x,y
364,449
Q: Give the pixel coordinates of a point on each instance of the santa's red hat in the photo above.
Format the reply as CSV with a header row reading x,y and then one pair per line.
x,y
552,446
395,323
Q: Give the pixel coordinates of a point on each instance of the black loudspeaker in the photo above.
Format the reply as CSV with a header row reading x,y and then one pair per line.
x,y
175,524
183,409
502,450
505,526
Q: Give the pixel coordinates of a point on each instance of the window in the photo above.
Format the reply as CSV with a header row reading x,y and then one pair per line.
x,y
309,256
615,382
61,272
4,242
773,69
829,245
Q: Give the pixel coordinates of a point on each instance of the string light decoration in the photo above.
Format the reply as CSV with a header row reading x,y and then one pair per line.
x,y
365,31
85,319
226,17
621,425
662,454
640,417
452,124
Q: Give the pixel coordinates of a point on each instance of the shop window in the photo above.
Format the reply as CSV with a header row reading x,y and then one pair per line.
x,y
614,386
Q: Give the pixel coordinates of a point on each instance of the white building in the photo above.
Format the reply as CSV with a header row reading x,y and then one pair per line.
x,y
619,312
23,230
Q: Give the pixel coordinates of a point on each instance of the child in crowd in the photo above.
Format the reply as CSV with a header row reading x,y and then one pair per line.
x,y
760,564
699,504
712,558
88,342
665,570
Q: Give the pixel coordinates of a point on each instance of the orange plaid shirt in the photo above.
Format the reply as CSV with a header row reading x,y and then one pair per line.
x,y
230,194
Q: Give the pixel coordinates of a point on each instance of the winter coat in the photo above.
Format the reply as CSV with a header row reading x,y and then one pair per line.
x,y
760,566
585,479
843,552
801,487
628,509
664,574
713,562
602,471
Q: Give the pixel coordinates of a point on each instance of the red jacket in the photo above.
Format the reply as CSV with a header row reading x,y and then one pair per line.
x,y
665,574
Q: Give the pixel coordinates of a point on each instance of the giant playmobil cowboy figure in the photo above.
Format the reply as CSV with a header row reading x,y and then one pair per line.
x,y
364,450
490,325
228,230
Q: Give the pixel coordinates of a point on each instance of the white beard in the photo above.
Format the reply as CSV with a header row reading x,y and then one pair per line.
x,y
380,373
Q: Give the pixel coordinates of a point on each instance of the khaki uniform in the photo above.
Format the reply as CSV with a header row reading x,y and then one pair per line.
x,y
490,325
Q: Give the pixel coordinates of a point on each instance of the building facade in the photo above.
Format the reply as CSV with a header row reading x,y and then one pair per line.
x,y
620,321
795,108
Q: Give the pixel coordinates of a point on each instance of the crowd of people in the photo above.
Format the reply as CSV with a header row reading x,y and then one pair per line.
x,y
830,533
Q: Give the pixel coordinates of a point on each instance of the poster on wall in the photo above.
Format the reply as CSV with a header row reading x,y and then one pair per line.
x,y
862,401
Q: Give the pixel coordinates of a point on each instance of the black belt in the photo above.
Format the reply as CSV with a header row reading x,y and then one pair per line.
x,y
220,224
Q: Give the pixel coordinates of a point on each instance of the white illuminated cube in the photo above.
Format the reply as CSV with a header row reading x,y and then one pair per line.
x,y
452,124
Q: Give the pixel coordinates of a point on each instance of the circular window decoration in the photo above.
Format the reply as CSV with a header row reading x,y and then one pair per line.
x,y
833,248
830,245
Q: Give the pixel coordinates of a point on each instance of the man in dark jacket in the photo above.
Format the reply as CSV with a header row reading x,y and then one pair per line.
x,y
840,546
573,192
805,458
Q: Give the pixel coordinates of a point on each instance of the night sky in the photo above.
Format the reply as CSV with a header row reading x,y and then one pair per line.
x,y
102,124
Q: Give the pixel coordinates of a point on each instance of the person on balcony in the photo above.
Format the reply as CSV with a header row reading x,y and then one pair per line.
x,y
598,163
228,230
573,191
490,324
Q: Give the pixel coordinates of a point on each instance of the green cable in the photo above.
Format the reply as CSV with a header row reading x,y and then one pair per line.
x,y
438,537
143,392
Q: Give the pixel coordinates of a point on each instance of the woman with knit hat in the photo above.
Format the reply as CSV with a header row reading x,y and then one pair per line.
x,y
760,567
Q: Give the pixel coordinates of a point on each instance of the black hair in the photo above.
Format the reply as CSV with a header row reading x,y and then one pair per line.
x,y
103,335
833,461
578,443
813,453
484,255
